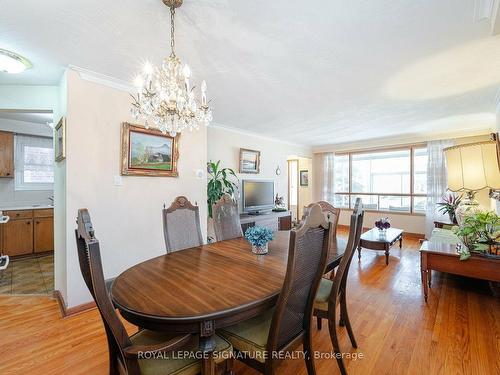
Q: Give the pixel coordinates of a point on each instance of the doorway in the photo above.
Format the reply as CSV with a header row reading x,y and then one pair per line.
x,y
293,188
27,202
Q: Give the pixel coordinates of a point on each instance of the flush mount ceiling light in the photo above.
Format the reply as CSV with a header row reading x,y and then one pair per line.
x,y
165,98
13,63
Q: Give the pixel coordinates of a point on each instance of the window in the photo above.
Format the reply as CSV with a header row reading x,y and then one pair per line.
x,y
392,180
34,163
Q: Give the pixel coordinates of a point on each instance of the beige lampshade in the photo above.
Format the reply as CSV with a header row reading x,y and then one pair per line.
x,y
473,166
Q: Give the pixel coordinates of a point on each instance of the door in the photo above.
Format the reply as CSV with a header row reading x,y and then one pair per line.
x,y
293,189
18,237
44,234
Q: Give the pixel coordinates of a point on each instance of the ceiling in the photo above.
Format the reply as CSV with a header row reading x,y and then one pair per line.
x,y
316,72
36,117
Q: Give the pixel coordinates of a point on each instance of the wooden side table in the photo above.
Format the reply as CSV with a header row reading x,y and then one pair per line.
x,y
443,257
374,239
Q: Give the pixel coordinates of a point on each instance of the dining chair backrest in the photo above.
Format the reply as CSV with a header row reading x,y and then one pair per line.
x,y
226,219
331,213
307,256
355,229
89,256
181,225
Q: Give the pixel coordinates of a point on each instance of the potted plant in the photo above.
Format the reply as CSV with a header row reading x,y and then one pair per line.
x,y
449,205
480,233
220,182
259,237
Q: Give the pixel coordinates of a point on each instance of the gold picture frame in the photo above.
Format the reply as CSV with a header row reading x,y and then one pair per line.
x,y
148,152
249,161
60,140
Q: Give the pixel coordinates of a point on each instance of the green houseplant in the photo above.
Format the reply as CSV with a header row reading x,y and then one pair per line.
x,y
220,181
479,232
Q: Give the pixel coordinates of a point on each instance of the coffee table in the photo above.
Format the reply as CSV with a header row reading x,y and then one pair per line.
x,y
374,239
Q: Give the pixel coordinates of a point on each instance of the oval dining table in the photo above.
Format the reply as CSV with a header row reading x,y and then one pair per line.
x,y
201,289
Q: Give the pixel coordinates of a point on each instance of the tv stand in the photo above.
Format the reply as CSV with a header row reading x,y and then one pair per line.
x,y
273,220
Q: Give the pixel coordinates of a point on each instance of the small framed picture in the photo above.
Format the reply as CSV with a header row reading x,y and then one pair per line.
x,y
60,141
249,161
304,178
148,152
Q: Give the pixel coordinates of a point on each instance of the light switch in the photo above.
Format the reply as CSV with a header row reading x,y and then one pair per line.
x,y
118,181
199,173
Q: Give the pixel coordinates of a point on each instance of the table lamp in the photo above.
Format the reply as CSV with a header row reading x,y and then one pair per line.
x,y
472,167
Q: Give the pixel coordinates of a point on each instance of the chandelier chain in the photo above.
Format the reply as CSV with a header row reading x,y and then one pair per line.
x,y
172,31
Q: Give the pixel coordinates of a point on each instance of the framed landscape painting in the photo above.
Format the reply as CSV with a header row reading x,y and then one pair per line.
x,y
60,140
148,152
249,161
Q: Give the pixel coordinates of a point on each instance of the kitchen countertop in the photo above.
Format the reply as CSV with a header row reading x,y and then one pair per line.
x,y
30,207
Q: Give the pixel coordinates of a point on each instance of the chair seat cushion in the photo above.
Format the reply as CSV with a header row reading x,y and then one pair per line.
x,y
323,294
251,335
179,362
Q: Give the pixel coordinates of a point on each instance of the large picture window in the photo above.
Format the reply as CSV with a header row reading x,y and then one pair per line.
x,y
34,163
389,180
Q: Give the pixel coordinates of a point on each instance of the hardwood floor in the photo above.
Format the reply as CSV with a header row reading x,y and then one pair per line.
x,y
457,332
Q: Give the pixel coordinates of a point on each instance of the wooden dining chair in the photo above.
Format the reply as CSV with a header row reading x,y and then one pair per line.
x,y
226,219
289,324
332,293
127,353
181,225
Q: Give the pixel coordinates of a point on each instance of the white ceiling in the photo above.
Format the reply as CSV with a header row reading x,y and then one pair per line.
x,y
36,117
309,72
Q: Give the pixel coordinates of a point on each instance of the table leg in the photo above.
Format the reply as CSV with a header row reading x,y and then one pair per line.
x,y
401,242
387,257
424,283
429,277
359,253
207,347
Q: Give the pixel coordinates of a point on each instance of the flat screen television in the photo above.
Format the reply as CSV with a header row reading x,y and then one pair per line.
x,y
257,196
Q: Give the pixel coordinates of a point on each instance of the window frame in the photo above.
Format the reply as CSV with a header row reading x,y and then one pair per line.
x,y
412,195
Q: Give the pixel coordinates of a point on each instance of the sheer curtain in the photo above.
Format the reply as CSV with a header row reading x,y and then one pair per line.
x,y
328,193
436,181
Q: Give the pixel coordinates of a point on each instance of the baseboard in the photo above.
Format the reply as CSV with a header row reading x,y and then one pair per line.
x,y
418,236
65,311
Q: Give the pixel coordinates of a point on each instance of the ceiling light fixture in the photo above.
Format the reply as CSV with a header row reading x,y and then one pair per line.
x,y
13,63
164,97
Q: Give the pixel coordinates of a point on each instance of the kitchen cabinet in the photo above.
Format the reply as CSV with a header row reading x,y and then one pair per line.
x,y
28,232
6,154
18,237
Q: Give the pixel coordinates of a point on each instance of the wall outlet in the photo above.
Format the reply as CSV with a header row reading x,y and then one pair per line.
x,y
118,181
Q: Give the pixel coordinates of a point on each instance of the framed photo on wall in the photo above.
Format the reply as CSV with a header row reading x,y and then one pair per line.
x,y
60,140
249,161
304,178
148,152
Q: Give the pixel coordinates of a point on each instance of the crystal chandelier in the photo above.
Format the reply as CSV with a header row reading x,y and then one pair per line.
x,y
164,97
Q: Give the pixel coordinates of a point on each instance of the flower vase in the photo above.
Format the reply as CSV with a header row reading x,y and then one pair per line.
x,y
260,250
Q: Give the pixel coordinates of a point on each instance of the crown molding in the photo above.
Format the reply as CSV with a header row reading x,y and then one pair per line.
x,y
102,79
256,135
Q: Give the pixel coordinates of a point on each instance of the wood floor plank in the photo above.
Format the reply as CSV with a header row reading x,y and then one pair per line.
x,y
456,332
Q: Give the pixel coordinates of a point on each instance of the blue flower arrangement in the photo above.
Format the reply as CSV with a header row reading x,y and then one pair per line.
x,y
259,236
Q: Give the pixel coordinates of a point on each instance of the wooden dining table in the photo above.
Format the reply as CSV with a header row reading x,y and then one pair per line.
x,y
201,289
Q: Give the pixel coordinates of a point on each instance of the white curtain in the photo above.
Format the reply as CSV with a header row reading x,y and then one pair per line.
x,y
436,181
328,193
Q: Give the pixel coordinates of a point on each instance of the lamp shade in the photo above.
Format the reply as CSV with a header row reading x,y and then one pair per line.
x,y
473,166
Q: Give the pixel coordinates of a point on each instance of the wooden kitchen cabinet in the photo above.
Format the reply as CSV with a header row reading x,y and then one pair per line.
x,y
6,154
17,237
28,232
43,238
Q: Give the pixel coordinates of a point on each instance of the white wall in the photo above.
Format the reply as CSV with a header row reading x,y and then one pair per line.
x,y
127,219
29,97
224,145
